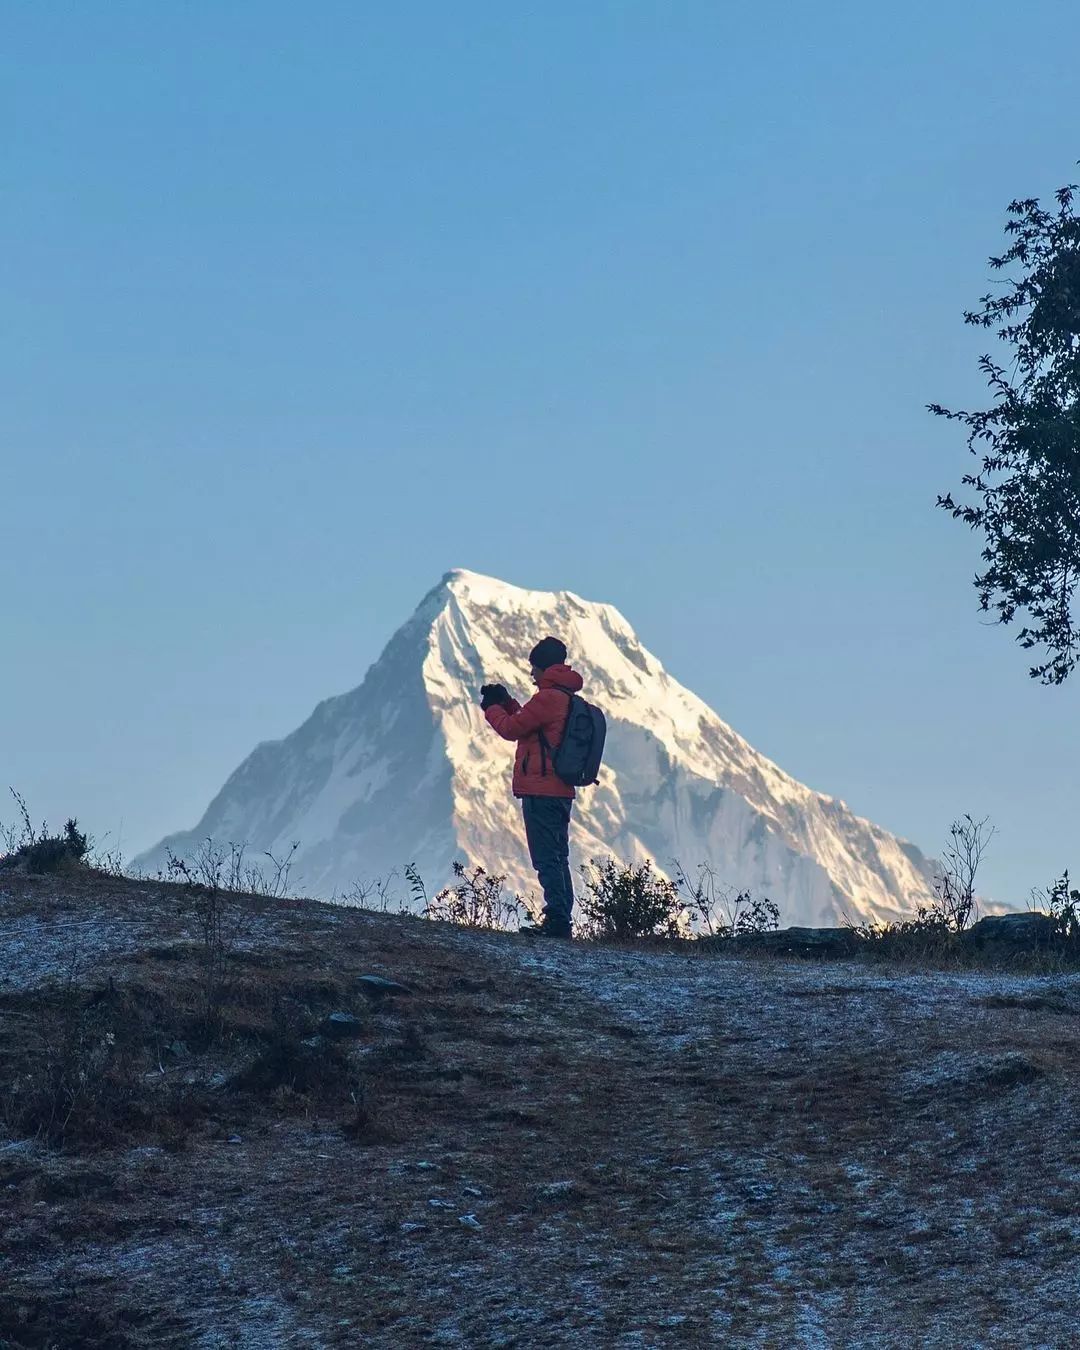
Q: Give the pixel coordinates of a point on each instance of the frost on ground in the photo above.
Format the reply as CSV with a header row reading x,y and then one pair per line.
x,y
581,1146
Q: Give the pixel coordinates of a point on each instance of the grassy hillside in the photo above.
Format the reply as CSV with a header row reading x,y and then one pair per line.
x,y
538,1145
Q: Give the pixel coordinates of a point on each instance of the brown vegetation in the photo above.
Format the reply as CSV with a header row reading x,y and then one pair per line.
x,y
554,1144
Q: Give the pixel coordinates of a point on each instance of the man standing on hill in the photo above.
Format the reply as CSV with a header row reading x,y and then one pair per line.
x,y
546,801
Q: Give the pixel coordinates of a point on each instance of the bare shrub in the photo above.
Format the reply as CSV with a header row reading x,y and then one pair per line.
x,y
933,932
379,894
476,900
229,869
720,909
954,902
275,883
220,924
621,901
108,860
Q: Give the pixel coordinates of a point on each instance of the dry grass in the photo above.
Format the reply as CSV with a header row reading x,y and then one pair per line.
x,y
659,1149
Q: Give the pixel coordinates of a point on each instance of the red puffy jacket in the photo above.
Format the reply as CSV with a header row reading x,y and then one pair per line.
x,y
546,711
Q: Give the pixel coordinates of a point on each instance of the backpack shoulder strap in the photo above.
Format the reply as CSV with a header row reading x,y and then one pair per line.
x,y
547,755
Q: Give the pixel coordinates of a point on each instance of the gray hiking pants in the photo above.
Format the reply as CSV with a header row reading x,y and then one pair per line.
x,y
547,832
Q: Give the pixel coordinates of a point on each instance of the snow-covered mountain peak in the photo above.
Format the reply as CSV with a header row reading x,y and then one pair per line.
x,y
405,769
505,621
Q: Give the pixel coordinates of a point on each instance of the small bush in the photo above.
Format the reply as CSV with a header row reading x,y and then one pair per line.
x,y
622,901
1062,903
476,900
928,937
39,851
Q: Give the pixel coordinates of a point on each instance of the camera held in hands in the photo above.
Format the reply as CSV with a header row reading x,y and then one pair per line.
x,y
493,695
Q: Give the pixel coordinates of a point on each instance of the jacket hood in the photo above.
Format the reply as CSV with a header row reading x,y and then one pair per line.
x,y
564,676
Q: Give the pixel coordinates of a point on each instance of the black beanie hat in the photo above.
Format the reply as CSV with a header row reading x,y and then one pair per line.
x,y
548,651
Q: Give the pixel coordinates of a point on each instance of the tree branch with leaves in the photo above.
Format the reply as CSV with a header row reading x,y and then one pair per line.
x,y
1027,487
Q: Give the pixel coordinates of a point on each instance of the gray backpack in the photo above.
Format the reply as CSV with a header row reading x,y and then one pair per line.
x,y
576,759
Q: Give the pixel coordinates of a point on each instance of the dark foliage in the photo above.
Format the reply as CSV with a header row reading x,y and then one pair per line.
x,y
622,901
1027,487
39,851
476,900
1062,902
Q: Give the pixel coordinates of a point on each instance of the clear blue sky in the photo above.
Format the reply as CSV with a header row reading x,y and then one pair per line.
x,y
304,305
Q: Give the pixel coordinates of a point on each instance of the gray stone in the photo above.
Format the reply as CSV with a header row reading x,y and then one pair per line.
x,y
1026,929
377,986
805,941
340,1026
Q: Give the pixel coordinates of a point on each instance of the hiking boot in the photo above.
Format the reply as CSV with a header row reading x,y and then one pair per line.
x,y
545,929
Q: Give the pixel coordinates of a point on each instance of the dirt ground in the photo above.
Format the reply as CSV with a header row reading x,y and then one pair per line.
x,y
541,1144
